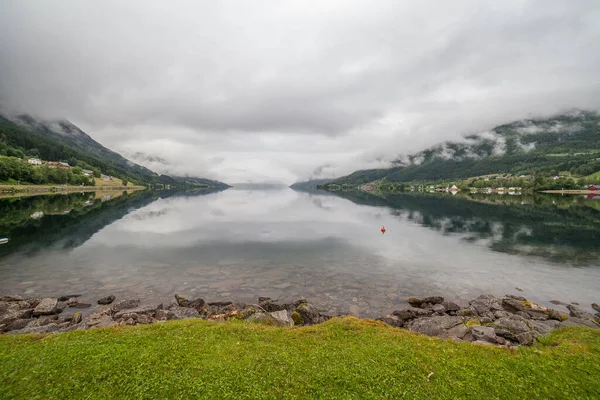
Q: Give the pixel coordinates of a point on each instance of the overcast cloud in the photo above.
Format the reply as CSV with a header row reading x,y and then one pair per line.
x,y
281,90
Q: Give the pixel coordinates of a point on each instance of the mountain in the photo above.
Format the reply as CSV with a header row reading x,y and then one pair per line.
x,y
61,140
567,143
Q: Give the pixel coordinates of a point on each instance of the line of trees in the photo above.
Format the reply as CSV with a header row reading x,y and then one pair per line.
x,y
13,170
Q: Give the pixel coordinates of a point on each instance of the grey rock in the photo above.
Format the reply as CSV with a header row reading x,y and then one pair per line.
x,y
106,300
451,306
197,304
392,320
519,298
68,297
485,305
523,314
537,315
270,305
485,320
514,324
11,298
411,313
16,324
283,318
125,304
41,321
544,327
596,307
484,333
176,312
577,312
439,309
501,314
149,310
310,314
47,306
513,305
436,325
458,332
583,322
263,299
53,327
144,319
99,321
526,338
418,301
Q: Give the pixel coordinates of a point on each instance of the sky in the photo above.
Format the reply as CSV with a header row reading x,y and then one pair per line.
x,y
280,91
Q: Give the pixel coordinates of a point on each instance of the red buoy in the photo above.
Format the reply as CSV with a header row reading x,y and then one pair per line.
x,y
383,229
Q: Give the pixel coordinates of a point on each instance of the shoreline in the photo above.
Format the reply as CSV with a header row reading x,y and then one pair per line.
x,y
8,191
501,321
571,192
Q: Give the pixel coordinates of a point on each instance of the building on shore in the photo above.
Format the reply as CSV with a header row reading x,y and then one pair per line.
x,y
35,161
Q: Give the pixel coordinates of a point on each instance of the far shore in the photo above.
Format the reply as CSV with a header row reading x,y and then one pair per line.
x,y
39,190
572,191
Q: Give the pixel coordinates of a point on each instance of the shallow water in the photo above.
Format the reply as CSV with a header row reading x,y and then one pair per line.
x,y
241,244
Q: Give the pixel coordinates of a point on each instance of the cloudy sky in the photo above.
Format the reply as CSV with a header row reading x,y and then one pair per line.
x,y
247,91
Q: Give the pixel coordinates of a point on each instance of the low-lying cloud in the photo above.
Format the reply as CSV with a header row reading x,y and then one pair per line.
x,y
271,91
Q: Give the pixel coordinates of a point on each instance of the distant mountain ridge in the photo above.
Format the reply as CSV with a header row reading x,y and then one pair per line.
x,y
567,142
61,140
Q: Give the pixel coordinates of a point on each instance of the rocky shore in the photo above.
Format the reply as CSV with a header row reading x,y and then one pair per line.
x,y
504,321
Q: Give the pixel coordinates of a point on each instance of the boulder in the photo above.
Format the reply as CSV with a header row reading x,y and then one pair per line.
x,y
309,313
125,304
512,296
197,304
458,332
485,305
53,327
68,297
283,317
450,306
544,327
11,298
577,312
514,324
556,315
392,320
99,321
582,322
513,305
41,321
526,338
412,313
484,333
270,305
418,301
596,307
176,312
16,324
439,309
277,318
435,326
106,300
147,310
47,306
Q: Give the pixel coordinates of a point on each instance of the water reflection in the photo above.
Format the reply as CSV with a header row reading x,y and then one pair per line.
x,y
241,244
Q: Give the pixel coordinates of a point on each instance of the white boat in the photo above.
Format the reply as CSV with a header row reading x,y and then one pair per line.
x,y
3,241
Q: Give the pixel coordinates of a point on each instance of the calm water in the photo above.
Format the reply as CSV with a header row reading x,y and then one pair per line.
x,y
241,244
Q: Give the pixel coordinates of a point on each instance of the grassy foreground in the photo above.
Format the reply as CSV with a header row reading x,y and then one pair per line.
x,y
342,358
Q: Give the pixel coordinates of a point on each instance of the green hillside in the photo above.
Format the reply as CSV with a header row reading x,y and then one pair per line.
x,y
23,136
568,144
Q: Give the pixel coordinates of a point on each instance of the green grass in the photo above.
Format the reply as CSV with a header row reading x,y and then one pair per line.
x,y
595,176
343,358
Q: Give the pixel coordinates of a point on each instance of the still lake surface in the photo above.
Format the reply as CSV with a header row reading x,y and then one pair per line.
x,y
241,244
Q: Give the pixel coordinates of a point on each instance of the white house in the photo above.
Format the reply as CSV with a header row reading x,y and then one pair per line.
x,y
34,161
106,178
